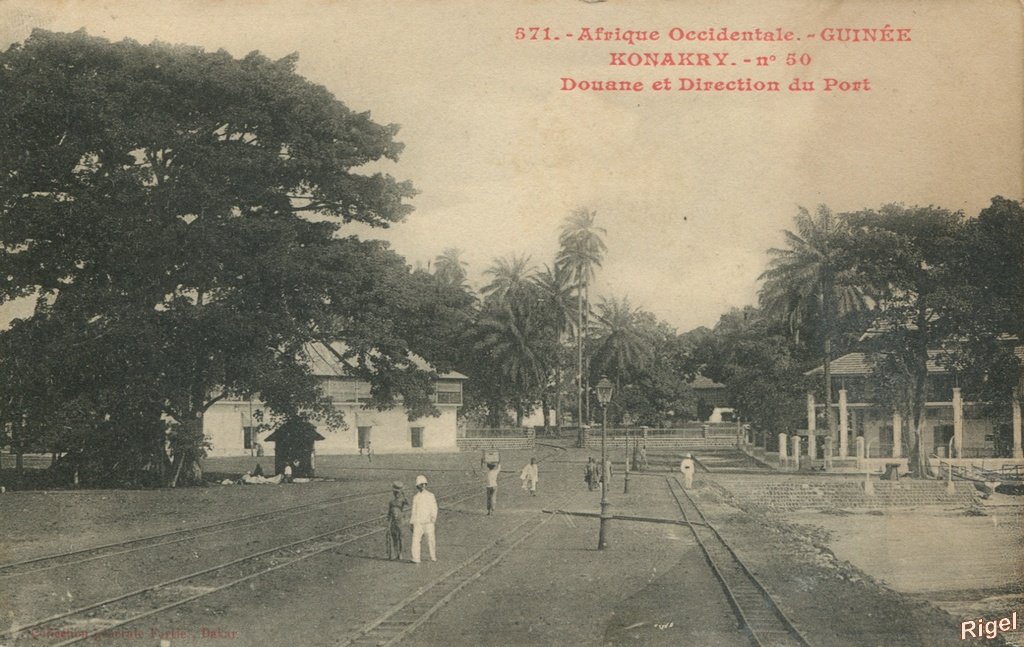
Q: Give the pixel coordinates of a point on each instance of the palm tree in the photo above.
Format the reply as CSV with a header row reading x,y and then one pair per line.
x,y
450,268
556,288
622,343
515,338
807,283
582,251
511,274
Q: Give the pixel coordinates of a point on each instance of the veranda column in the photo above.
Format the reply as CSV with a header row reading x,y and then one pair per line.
x,y
897,434
844,426
782,449
958,422
796,451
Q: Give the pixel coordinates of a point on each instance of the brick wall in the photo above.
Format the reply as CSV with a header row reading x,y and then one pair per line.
x,y
476,444
594,442
781,496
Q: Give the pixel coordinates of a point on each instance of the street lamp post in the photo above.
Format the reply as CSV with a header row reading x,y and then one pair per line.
x,y
604,396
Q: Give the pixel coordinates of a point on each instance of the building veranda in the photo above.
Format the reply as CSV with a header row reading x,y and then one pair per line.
x,y
870,435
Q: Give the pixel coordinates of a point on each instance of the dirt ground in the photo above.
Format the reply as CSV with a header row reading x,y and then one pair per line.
x,y
651,587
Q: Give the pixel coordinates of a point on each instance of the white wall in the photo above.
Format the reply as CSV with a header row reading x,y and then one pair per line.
x,y
390,430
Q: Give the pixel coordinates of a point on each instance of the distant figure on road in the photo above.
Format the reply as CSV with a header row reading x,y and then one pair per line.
x,y
606,472
396,509
493,469
686,467
369,452
422,519
287,473
530,476
590,474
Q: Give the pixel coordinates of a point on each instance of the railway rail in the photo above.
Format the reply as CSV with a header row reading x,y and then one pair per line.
x,y
756,610
395,624
93,621
57,560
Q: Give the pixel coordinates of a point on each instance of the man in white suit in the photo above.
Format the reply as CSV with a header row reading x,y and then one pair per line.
x,y
422,518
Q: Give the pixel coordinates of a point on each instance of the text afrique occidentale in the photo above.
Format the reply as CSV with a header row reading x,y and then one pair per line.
x,y
884,34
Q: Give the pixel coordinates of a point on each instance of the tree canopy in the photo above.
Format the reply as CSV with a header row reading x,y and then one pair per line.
x,y
176,215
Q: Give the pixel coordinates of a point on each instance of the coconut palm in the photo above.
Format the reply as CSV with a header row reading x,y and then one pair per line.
x,y
582,251
808,284
510,276
622,343
450,268
556,288
515,337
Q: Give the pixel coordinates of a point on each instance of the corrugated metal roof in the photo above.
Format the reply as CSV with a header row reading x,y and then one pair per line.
x,y
325,363
861,364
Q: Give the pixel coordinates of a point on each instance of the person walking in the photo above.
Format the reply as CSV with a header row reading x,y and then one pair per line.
x,y
493,469
590,474
687,467
396,509
606,473
530,476
422,519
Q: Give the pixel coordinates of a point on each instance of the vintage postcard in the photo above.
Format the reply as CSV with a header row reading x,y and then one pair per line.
x,y
576,322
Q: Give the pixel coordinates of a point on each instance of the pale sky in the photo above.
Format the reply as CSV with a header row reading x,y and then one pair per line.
x,y
692,187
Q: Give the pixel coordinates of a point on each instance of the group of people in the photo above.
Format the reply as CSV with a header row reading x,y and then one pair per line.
x,y
594,473
423,513
422,518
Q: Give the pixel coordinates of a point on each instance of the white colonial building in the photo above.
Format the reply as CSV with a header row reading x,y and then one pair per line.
x,y
233,426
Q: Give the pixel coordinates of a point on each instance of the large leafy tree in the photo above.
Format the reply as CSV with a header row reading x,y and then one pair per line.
x,y
986,312
175,214
908,257
749,353
581,252
810,285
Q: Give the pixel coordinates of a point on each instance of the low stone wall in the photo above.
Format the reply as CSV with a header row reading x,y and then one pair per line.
x,y
823,494
594,442
476,444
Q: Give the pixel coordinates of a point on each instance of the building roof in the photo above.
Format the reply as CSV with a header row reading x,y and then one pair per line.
x,y
326,362
857,364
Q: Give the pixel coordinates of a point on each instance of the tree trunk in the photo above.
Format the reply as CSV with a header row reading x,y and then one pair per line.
x,y
186,457
558,393
545,413
19,466
579,357
586,362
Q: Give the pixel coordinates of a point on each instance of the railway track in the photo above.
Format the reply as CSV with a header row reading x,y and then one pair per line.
x,y
403,618
757,612
105,551
105,618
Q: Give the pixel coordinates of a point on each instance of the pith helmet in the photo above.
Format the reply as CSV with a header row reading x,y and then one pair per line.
x,y
421,480
397,485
